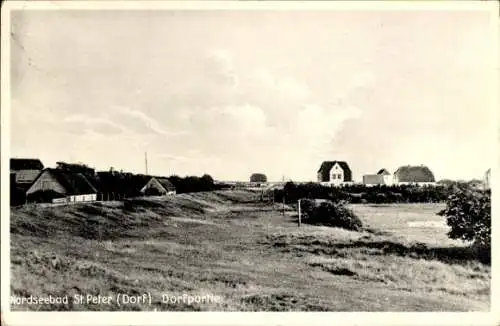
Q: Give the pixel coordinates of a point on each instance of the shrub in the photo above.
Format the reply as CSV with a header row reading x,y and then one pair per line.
x,y
329,213
258,177
193,183
381,194
468,213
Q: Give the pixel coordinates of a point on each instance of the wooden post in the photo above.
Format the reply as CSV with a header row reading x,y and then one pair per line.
x,y
283,204
300,214
274,194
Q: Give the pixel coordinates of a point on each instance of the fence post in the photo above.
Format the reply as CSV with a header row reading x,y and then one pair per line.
x,y
300,214
283,204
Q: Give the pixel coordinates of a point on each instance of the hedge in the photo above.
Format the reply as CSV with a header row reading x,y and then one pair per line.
x,y
356,194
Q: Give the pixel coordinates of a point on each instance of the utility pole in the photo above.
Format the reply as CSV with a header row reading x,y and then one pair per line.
x,y
146,161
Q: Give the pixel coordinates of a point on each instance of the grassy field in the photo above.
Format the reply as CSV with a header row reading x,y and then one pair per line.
x,y
228,244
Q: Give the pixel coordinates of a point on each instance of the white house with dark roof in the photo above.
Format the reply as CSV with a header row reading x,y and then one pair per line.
x,y
334,173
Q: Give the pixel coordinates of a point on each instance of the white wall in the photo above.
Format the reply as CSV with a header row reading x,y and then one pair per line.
x,y
373,179
336,175
82,198
388,179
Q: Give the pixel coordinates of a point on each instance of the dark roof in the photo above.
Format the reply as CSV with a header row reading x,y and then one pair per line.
x,y
383,171
166,183
74,183
25,164
326,166
414,174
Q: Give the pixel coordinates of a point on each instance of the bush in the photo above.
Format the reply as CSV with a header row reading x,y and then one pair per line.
x,y
329,213
468,214
258,177
193,183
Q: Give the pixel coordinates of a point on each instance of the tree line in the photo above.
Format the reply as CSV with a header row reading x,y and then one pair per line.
x,y
359,194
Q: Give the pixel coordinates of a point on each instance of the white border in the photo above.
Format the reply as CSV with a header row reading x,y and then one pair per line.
x,y
235,318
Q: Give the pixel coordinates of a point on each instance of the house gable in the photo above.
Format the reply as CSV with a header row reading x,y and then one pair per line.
x,y
62,182
341,167
47,181
25,176
153,183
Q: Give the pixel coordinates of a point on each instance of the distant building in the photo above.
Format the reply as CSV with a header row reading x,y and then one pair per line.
x,y
414,175
334,173
158,186
383,177
25,170
56,185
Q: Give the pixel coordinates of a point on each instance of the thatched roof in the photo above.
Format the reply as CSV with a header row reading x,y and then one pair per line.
x,y
74,183
326,167
166,183
25,164
410,173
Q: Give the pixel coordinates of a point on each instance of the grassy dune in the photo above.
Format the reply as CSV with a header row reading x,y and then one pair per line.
x,y
228,244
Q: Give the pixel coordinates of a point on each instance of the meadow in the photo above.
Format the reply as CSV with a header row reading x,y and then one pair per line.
x,y
229,244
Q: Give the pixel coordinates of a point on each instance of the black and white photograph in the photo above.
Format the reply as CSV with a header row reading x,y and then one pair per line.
x,y
257,158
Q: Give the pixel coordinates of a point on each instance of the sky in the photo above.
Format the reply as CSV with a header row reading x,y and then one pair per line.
x,y
230,93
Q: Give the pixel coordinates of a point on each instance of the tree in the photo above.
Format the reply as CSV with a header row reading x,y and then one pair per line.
x,y
258,177
468,213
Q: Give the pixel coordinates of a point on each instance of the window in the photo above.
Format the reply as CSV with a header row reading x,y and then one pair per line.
x,y
334,176
340,176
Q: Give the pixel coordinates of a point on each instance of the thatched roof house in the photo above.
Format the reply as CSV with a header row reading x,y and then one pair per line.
x,y
56,183
414,174
166,184
158,186
25,170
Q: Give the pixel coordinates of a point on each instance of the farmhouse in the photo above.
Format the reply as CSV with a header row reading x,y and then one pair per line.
x,y
57,186
22,173
414,175
383,177
334,173
158,186
25,170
